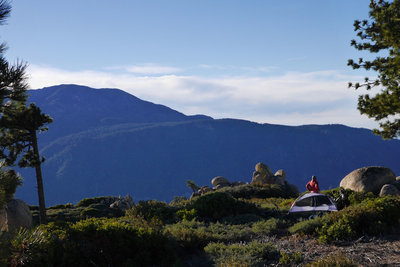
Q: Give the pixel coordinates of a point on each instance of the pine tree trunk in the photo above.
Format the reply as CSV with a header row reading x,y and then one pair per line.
x,y
39,181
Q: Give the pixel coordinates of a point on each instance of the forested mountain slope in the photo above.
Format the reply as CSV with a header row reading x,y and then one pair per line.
x,y
107,142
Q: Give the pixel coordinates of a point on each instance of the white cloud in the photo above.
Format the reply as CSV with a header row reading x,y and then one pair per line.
x,y
264,69
291,99
148,68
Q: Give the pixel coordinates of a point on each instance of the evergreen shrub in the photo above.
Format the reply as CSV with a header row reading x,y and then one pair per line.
x,y
254,253
266,191
89,201
218,205
308,226
193,234
97,242
271,226
154,210
372,217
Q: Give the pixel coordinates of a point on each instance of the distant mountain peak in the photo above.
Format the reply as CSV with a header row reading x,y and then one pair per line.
x,y
103,107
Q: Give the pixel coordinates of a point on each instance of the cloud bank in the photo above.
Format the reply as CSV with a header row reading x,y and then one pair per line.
x,y
292,98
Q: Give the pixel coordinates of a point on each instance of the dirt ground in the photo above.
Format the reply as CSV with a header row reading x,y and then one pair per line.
x,y
366,251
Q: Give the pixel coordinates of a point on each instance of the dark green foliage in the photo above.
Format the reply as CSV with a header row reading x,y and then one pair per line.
x,y
358,197
218,205
9,181
185,214
254,253
271,226
179,201
153,210
307,226
266,191
61,206
371,217
88,201
100,210
193,234
245,219
71,213
98,242
292,259
352,196
380,34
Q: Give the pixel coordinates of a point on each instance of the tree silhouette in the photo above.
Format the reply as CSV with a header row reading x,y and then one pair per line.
x,y
380,35
19,123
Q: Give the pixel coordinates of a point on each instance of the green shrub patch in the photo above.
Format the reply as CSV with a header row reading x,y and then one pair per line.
x,y
372,216
92,242
254,253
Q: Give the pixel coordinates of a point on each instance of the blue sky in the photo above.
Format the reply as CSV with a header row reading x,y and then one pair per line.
x,y
266,61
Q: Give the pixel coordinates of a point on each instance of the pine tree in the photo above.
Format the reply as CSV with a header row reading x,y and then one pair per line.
x,y
19,123
380,35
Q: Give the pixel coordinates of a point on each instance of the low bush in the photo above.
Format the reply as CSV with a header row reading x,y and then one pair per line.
x,y
337,259
98,242
245,219
265,191
179,201
88,201
372,217
254,253
353,197
194,234
271,226
358,197
61,206
153,210
185,214
218,205
100,210
289,259
308,226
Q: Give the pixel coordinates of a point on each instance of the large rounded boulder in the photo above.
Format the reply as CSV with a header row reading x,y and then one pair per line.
x,y
264,170
15,215
368,179
220,181
389,190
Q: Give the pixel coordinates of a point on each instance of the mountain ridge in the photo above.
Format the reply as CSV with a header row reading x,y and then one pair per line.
x,y
153,159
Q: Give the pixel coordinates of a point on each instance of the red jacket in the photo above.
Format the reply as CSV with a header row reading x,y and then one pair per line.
x,y
312,186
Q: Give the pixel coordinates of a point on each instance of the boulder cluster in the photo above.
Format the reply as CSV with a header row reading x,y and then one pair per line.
x,y
375,179
217,182
261,176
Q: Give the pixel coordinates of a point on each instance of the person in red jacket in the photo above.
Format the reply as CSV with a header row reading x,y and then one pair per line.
x,y
312,185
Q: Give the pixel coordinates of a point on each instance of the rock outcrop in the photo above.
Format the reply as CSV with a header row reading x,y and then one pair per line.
x,y
122,204
15,215
263,176
368,179
204,189
220,181
389,190
281,174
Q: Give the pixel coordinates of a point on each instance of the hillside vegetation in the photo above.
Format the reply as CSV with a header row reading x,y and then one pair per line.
x,y
240,226
107,142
